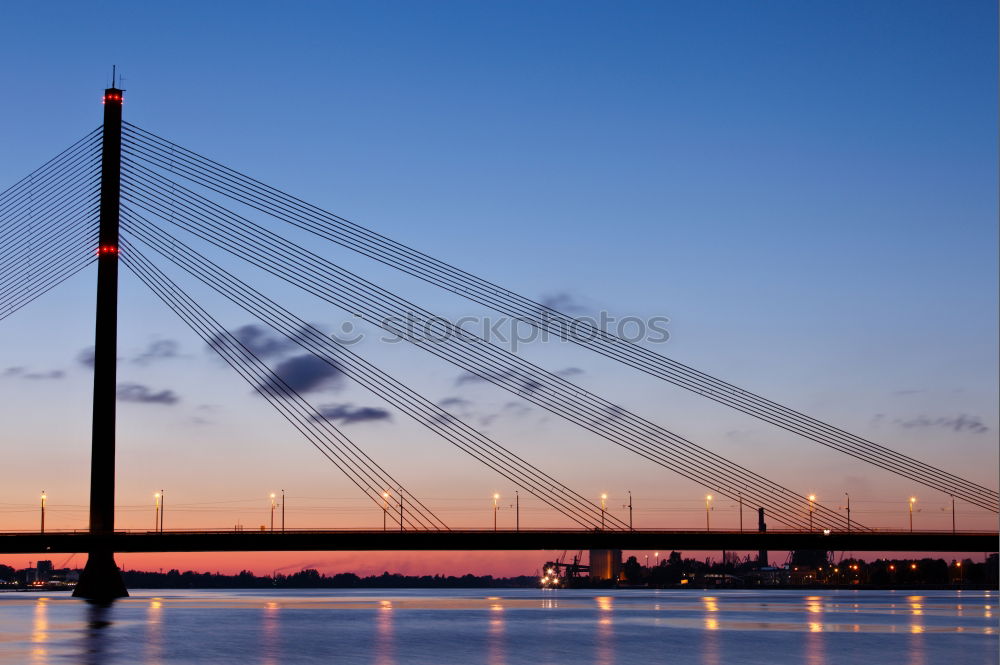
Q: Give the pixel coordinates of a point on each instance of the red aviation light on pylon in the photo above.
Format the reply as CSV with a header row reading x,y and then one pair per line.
x,y
106,249
112,97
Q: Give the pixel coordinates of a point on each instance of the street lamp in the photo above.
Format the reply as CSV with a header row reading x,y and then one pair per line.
x,y
272,511
282,511
517,511
657,556
604,508
496,497
385,509
163,508
953,516
42,530
848,511
812,499
400,491
708,508
156,512
630,510
913,500
740,498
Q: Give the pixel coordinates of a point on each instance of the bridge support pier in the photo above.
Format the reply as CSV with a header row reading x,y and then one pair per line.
x,y
101,581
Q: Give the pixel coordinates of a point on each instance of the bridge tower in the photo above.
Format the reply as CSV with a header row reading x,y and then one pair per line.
x,y
101,581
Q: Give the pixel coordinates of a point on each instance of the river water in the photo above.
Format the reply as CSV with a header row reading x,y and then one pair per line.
x,y
503,627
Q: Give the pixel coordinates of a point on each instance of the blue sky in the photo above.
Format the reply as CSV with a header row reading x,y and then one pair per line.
x,y
807,190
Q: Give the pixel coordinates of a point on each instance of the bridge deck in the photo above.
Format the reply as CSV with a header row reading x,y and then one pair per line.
x,y
340,540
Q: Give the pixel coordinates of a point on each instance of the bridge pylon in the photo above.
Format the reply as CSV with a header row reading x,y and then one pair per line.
x,y
101,581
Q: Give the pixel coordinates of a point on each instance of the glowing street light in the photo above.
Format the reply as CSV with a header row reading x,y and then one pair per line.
x,y
385,509
604,508
913,500
496,497
708,509
273,505
156,512
812,500
657,555
42,529
163,508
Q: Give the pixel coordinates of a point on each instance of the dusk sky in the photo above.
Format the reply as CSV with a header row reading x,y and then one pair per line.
x,y
806,190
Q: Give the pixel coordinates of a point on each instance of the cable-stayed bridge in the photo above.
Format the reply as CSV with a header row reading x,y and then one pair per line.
x,y
119,195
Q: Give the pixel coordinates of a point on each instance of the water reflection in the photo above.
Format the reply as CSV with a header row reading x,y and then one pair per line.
x,y
815,642
496,647
40,632
270,634
710,628
385,648
918,649
154,632
96,636
710,650
605,646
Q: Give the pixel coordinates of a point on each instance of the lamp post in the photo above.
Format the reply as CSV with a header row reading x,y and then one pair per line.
x,y
604,508
42,529
156,512
400,490
708,510
517,511
656,555
496,497
272,511
812,500
913,500
848,511
282,511
953,517
630,511
740,498
385,509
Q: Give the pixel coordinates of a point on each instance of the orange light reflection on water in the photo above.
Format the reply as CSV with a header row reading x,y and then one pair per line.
x,y
40,632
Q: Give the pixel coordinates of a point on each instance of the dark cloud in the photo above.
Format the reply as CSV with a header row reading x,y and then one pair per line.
x,y
24,373
136,392
160,349
307,373
570,371
563,302
86,357
960,423
264,342
348,414
261,340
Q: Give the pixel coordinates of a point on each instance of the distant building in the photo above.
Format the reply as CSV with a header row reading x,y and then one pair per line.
x,y
605,565
44,569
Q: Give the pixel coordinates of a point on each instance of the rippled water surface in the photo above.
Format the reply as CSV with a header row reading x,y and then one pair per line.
x,y
496,627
